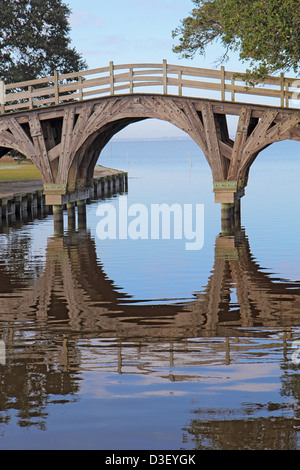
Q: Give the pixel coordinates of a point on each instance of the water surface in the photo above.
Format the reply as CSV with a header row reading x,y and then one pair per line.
x,y
141,344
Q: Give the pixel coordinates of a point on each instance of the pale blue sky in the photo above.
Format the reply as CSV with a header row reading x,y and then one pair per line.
x,y
132,31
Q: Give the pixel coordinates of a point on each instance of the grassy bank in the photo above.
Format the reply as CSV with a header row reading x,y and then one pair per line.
x,y
18,172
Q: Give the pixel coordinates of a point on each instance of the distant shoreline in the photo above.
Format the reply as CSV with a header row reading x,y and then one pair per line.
x,y
149,139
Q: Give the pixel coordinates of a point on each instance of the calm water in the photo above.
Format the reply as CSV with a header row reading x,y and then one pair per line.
x,y
142,344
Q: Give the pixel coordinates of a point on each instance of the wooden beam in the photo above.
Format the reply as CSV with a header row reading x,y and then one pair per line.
x,y
286,124
258,136
22,141
239,143
197,128
226,150
213,148
37,136
66,141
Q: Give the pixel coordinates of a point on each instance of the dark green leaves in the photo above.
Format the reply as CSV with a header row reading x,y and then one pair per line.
x,y
265,32
34,40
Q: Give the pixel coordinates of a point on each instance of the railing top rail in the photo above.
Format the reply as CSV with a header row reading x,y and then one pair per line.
x,y
116,78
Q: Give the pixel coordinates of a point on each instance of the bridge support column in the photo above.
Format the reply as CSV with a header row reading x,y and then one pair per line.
x,y
57,196
81,214
71,215
229,194
237,212
230,217
58,217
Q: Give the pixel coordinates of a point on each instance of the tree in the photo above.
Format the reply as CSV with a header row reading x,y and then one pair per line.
x,y
265,32
35,41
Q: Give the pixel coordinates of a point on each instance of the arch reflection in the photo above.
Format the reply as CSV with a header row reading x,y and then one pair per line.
x,y
72,317
73,291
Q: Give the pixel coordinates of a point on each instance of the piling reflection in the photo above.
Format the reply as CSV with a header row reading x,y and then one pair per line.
x,y
260,299
73,318
73,290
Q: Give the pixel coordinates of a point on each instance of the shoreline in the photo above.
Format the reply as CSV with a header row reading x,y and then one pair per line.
x,y
20,196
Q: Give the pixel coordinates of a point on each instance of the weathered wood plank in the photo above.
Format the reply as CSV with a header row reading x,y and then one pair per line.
x,y
257,137
66,140
89,123
80,125
54,153
213,149
20,136
161,109
38,81
226,150
282,127
197,126
239,143
41,157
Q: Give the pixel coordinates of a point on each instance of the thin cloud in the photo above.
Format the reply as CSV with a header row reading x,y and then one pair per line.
x,y
81,18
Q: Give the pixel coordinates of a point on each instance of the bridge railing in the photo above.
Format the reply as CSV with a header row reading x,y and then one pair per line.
x,y
160,78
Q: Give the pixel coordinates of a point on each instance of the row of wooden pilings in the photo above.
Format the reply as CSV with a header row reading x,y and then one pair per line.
x,y
18,206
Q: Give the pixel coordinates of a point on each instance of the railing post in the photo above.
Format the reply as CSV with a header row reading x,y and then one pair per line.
x,y
131,80
287,102
111,77
80,81
232,91
180,83
282,90
222,83
2,96
56,87
165,78
30,97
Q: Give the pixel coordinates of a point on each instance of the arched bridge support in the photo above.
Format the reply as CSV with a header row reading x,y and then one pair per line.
x,y
64,141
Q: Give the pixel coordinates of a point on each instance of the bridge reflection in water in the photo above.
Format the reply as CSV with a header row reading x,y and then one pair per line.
x,y
73,294
72,318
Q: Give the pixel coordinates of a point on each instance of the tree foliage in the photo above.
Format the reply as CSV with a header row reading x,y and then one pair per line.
x,y
35,41
266,33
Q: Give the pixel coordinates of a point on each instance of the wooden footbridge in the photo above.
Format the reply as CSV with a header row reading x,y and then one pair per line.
x,y
62,122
